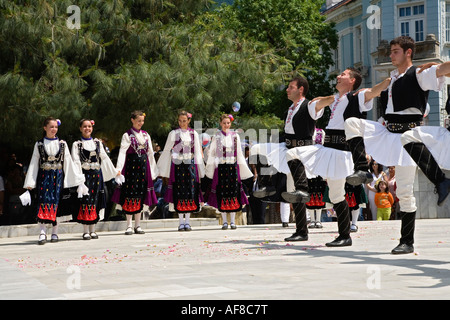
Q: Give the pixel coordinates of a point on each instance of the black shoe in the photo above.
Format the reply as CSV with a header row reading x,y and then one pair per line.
x,y
443,190
297,196
403,248
86,236
42,240
340,242
54,238
359,177
138,230
264,192
93,235
285,224
297,237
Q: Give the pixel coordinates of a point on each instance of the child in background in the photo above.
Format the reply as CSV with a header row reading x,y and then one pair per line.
x,y
383,200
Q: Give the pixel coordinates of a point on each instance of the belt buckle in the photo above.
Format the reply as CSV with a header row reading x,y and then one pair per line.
x,y
288,142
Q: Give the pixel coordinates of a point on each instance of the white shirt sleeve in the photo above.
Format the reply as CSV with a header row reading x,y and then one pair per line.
x,y
73,176
108,170
33,168
198,157
151,159
312,110
211,162
429,81
244,170
364,106
124,145
76,155
165,160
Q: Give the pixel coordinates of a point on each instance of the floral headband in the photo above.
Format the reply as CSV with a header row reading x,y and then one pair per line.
x,y
58,122
93,122
189,115
231,117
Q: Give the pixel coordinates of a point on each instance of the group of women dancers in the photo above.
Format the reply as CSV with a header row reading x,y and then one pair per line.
x,y
87,167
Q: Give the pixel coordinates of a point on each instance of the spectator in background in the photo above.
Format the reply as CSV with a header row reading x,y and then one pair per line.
x,y
377,173
390,179
383,200
14,188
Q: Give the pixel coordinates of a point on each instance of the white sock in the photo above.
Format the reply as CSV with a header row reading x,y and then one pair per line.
x,y
285,210
186,218
181,218
310,215
91,228
232,217
43,228
85,228
355,215
129,220
224,217
137,220
55,229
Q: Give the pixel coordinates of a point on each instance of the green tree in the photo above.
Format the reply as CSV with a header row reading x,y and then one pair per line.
x,y
297,31
155,55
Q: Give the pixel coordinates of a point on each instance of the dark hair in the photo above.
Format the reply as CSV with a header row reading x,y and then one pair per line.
x,y
377,186
83,120
405,43
355,74
301,82
46,122
380,166
184,113
137,113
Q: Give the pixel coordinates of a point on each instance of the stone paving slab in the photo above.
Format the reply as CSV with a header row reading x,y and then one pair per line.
x,y
252,262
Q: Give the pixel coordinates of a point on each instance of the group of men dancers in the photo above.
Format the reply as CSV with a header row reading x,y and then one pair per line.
x,y
399,140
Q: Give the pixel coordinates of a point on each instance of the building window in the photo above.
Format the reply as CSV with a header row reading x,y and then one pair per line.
x,y
411,21
358,44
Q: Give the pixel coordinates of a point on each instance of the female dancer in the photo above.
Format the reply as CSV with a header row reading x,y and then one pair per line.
x,y
137,164
90,157
182,162
226,167
52,169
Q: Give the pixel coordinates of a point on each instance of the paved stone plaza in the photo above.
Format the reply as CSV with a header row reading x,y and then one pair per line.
x,y
251,262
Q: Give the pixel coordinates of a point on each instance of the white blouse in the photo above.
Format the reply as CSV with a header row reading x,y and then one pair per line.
x,y
214,159
108,170
170,154
72,174
141,137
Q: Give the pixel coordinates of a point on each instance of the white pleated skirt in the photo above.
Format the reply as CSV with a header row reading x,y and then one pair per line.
x,y
323,161
275,154
437,140
385,147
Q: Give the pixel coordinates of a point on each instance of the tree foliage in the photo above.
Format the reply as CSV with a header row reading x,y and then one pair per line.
x,y
296,30
158,56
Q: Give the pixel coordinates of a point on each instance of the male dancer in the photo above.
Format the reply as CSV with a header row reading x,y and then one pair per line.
x,y
332,161
405,103
299,129
428,146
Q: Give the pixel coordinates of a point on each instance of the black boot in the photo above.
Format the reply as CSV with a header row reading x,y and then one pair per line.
x,y
300,182
361,174
343,219
265,178
301,232
407,233
424,159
